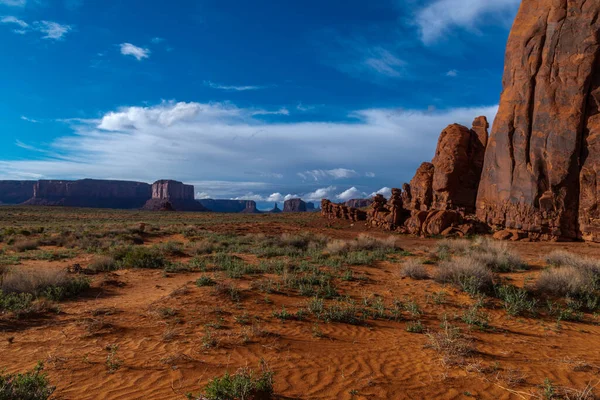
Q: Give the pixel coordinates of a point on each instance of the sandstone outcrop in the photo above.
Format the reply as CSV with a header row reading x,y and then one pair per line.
x,y
540,172
90,193
341,211
275,210
15,192
229,206
294,205
173,195
310,206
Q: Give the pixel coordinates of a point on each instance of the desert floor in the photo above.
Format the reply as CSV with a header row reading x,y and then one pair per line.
x,y
154,333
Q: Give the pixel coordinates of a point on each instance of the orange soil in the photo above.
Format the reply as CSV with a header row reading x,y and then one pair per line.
x,y
164,358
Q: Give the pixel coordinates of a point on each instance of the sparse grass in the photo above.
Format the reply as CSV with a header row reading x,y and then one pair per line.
x,y
493,254
52,284
415,327
516,301
141,257
205,281
32,385
452,346
467,273
414,269
245,384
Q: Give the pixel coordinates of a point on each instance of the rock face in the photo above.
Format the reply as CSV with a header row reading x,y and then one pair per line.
x,y
90,193
294,205
457,166
310,206
170,195
418,195
359,203
15,192
229,206
541,168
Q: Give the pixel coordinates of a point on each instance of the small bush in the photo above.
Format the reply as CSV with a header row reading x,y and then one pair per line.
x,y
205,281
516,301
25,245
103,264
32,385
142,257
467,273
450,344
415,327
414,269
565,280
244,384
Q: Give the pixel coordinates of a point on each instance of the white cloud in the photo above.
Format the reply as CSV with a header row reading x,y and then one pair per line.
x,y
439,17
452,73
202,195
383,62
128,49
231,87
385,191
157,40
322,193
214,145
24,118
370,174
52,30
352,193
14,20
336,173
14,3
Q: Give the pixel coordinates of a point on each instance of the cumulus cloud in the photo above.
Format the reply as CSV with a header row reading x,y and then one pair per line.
x,y
231,87
384,191
52,30
214,145
322,193
439,17
352,193
128,49
452,73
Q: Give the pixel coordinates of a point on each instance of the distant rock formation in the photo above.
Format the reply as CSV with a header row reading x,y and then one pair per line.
x,y
294,205
15,192
275,210
230,206
90,193
359,203
170,195
310,206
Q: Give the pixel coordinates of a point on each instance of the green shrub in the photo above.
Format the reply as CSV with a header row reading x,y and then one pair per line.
x,y
103,264
142,257
205,281
32,385
516,301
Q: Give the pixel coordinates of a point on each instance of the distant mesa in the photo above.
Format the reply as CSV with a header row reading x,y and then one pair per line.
x,y
230,206
359,203
88,193
168,195
15,192
294,205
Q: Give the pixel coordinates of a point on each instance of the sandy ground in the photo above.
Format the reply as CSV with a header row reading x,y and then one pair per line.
x,y
164,357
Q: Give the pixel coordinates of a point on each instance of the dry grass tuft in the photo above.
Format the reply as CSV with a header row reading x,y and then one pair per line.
x,y
25,245
414,269
466,272
452,346
362,242
26,280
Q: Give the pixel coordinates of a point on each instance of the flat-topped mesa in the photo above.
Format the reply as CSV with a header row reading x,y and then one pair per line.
x,y
15,192
172,190
294,205
230,206
541,169
359,203
92,193
169,195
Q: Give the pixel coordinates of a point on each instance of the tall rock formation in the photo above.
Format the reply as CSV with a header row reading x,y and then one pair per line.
x,y
15,192
173,195
541,168
90,193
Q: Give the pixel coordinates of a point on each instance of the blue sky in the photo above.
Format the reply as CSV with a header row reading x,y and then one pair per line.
x,y
261,99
